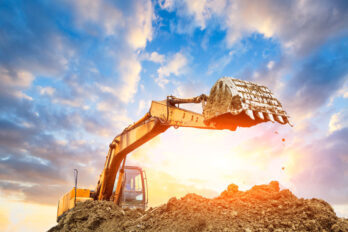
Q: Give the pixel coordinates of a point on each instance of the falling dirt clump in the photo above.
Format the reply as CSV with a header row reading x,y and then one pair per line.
x,y
262,208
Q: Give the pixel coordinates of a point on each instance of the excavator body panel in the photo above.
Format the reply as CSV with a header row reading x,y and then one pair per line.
x,y
67,201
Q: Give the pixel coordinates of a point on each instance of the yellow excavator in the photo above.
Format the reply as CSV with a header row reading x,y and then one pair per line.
x,y
232,103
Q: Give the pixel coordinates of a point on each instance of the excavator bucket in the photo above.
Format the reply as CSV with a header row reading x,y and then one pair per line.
x,y
236,103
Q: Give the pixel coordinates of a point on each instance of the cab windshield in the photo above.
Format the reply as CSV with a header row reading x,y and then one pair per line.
x,y
133,186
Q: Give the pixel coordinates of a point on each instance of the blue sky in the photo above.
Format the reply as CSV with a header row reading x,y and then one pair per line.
x,y
75,73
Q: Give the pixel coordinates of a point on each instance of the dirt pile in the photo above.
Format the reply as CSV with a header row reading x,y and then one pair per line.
x,y
262,208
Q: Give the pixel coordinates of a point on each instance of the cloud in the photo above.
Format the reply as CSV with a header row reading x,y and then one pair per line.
x,y
141,30
99,12
190,88
40,169
166,4
129,28
25,34
219,64
21,79
301,26
141,107
338,121
129,74
134,19
62,97
193,13
343,91
270,65
14,82
325,171
154,57
46,90
174,66
320,77
307,85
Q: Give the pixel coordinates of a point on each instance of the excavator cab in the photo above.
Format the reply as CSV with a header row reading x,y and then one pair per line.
x,y
134,188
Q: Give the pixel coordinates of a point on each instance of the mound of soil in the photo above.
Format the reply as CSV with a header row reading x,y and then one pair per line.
x,y
262,208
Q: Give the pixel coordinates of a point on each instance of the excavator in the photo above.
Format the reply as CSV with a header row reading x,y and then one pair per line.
x,y
232,103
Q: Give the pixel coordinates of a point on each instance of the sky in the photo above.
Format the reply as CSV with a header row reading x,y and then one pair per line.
x,y
74,74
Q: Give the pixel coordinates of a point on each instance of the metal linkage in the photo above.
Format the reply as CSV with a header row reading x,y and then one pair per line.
x,y
174,100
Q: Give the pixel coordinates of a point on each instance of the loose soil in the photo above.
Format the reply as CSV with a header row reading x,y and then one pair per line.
x,y
262,208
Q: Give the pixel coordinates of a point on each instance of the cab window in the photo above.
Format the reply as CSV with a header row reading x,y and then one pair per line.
x,y
133,186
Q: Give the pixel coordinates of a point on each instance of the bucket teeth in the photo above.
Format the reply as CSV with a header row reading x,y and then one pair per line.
x,y
270,117
260,115
286,120
250,114
280,119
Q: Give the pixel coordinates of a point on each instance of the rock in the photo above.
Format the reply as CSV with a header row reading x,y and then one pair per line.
x,y
234,213
232,188
335,228
171,203
140,226
274,185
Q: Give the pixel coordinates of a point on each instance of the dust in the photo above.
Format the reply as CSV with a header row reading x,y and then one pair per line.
x,y
262,208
